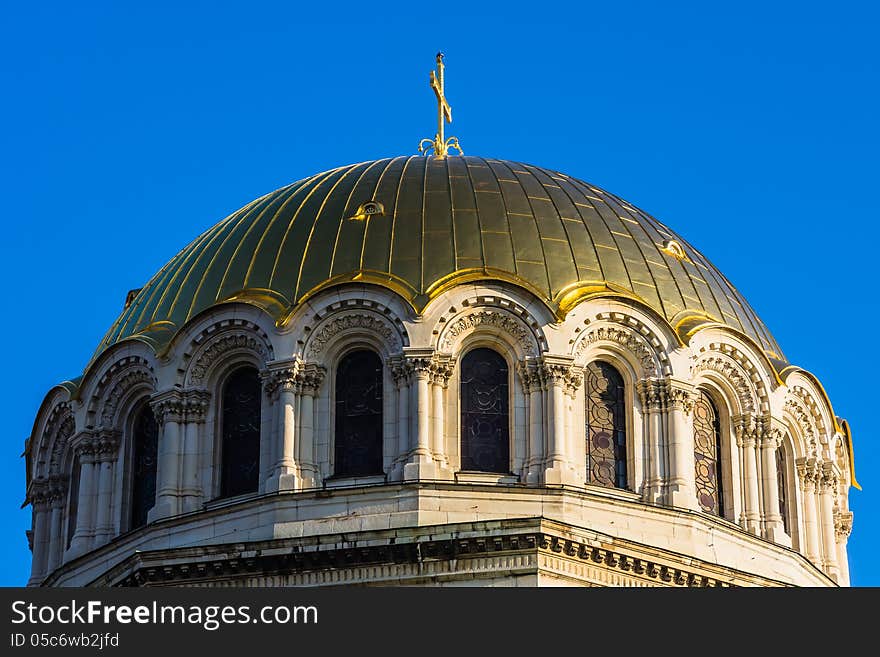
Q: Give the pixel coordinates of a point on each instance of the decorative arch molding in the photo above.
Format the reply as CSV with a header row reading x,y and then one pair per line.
x,y
809,402
754,380
488,319
115,383
223,337
803,421
349,319
734,376
496,310
628,332
60,426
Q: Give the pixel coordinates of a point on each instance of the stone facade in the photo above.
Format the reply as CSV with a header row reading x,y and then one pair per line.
x,y
424,521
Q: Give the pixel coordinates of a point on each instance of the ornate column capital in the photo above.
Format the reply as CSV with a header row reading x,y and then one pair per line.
x,y
106,444
401,371
680,395
772,437
531,375
168,406
195,405
58,485
652,394
748,430
808,473
829,477
441,369
85,445
420,361
842,525
281,375
38,493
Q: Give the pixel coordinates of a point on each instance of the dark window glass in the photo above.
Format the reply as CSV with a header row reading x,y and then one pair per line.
x,y
145,454
606,426
240,426
72,499
780,484
707,455
485,442
358,415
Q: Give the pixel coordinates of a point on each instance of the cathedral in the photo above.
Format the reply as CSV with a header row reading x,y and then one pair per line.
x,y
439,370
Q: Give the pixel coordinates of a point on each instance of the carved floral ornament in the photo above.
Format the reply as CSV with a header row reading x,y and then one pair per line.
x,y
499,320
130,380
624,337
732,374
293,376
222,345
364,321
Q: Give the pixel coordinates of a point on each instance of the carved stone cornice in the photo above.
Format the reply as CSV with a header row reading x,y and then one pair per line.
x,y
168,406
652,393
842,525
680,396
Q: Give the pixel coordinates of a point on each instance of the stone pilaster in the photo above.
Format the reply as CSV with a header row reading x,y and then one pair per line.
x,y
106,457
773,527
86,447
747,436
652,395
38,495
441,371
842,529
533,385
283,381
58,487
169,410
309,378
195,409
681,486
560,376
420,462
808,476
401,372
828,482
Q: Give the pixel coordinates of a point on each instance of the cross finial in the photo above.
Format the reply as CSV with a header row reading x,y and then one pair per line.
x,y
439,145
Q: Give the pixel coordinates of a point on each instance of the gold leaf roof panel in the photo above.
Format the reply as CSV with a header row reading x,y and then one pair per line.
x,y
434,222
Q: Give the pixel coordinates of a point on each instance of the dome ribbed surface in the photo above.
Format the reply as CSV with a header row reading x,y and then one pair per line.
x,y
445,221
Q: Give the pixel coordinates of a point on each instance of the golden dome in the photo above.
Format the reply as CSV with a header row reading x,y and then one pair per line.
x,y
435,222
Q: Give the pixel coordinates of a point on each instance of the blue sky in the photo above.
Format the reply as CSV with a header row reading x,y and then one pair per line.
x,y
749,128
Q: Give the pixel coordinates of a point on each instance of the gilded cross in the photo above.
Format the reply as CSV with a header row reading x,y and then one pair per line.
x,y
439,144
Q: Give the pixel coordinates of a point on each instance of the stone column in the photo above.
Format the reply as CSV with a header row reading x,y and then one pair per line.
x,y
652,395
57,498
681,488
401,373
268,430
285,470
39,499
169,411
533,388
828,481
808,476
774,528
441,370
842,529
106,455
81,540
195,404
420,464
310,379
557,372
746,439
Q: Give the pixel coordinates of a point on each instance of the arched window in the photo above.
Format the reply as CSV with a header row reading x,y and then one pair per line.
x,y
358,422
240,431
144,458
780,484
72,499
606,426
707,455
485,441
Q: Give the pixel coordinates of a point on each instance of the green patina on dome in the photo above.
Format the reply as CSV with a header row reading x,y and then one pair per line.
x,y
445,221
